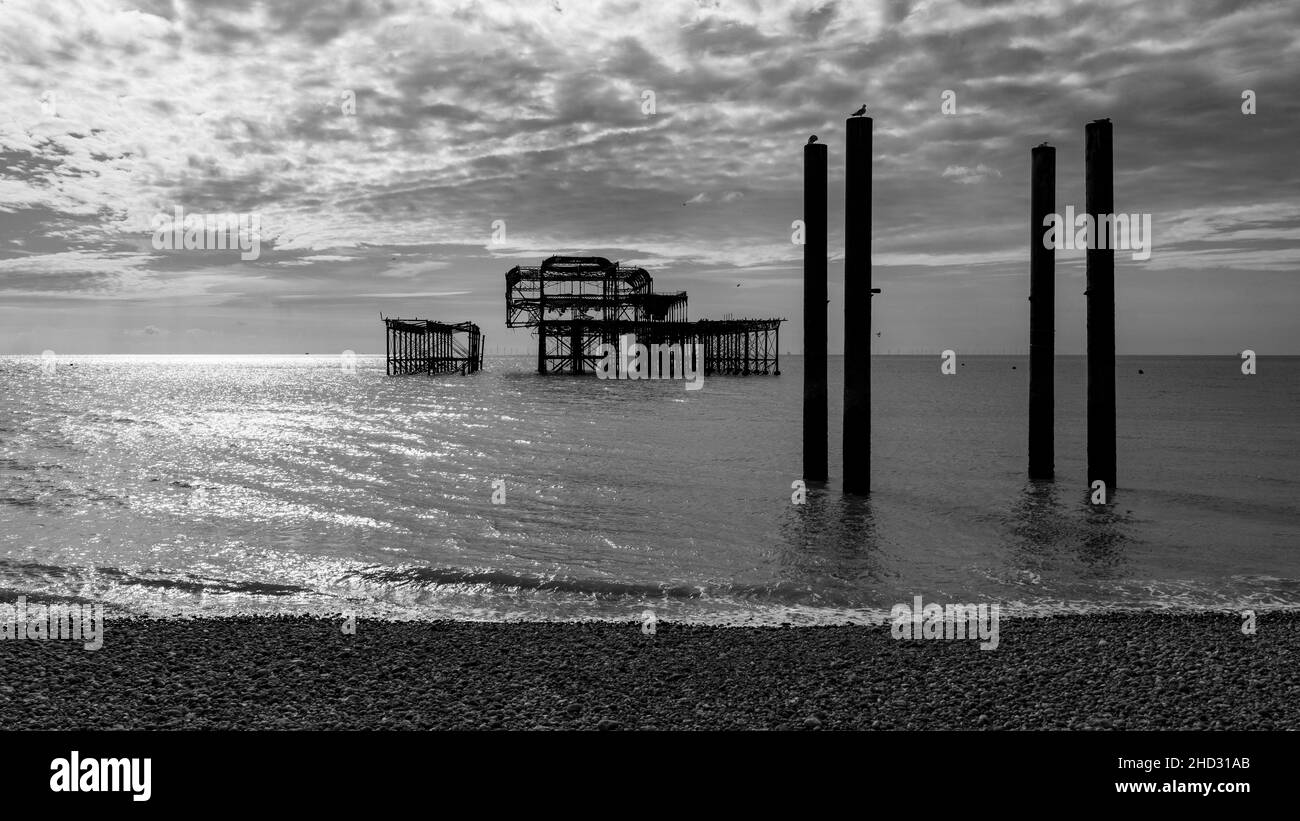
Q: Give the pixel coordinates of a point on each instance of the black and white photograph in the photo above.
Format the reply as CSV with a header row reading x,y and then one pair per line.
x,y
781,375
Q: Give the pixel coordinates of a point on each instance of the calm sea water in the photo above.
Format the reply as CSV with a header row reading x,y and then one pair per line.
x,y
214,485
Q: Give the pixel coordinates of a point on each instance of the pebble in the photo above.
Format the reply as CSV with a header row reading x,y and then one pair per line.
x,y
1135,671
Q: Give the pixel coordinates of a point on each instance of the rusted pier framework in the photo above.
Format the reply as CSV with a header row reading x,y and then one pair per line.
x,y
729,347
426,346
579,304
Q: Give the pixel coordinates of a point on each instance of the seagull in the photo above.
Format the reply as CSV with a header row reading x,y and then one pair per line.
x,y
861,111
812,139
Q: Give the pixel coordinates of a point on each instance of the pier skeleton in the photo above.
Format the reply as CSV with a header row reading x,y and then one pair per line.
x,y
425,346
578,304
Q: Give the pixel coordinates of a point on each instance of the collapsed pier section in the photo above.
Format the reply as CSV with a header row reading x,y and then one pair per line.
x,y
426,346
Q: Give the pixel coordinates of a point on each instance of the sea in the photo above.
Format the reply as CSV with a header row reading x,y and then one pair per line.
x,y
218,485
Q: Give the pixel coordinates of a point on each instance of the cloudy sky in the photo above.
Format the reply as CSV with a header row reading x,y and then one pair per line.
x,y
535,113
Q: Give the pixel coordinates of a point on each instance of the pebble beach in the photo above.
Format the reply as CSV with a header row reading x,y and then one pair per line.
x,y
1122,671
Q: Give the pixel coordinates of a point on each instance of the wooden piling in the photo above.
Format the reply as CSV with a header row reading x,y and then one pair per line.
x,y
1042,314
814,314
1100,204
857,307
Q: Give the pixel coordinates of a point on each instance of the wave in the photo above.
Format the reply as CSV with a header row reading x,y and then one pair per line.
x,y
29,577
598,588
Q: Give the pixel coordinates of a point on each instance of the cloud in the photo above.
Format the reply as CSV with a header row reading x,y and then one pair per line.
x,y
471,112
966,175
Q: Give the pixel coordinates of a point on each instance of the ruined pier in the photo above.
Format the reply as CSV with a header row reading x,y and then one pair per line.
x,y
577,305
426,346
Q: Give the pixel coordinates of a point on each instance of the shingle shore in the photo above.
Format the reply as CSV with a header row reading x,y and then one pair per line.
x,y
1112,671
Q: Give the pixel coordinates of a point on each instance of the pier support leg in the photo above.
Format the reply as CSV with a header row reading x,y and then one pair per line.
x,y
1042,314
1100,205
541,347
814,313
857,307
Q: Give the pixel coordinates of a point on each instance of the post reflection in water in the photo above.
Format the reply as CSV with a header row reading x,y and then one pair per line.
x,y
1106,534
830,543
1043,528
1038,521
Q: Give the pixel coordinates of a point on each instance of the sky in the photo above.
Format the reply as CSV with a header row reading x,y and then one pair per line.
x,y
399,157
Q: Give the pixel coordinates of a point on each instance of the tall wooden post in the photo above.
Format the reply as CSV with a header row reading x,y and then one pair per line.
x,y
857,307
1042,313
814,313
1100,204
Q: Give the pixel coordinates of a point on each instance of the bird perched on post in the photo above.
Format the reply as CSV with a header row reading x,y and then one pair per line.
x,y
861,111
812,139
